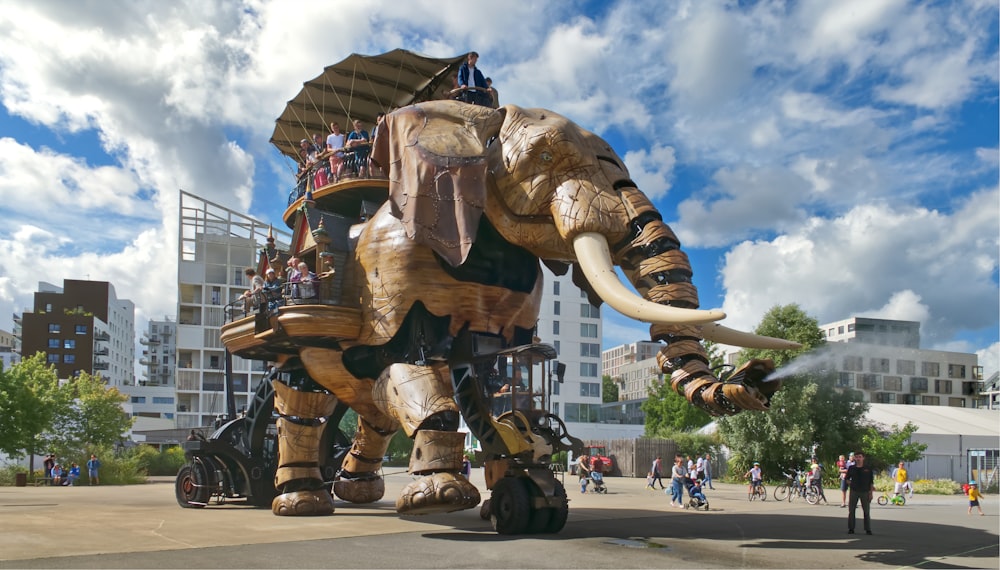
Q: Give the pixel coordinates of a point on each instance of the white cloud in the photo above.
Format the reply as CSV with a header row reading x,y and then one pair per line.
x,y
651,169
883,259
989,359
902,306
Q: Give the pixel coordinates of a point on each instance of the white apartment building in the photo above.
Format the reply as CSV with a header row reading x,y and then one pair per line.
x,y
615,358
155,396
881,358
216,245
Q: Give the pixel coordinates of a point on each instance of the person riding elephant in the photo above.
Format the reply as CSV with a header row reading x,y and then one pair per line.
x,y
478,199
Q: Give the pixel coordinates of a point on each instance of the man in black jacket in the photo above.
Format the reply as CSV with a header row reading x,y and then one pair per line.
x,y
861,482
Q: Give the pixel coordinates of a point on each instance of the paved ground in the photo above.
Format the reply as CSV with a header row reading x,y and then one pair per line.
x,y
142,527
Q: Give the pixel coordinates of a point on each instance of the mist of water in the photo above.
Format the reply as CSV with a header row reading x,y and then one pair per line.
x,y
814,360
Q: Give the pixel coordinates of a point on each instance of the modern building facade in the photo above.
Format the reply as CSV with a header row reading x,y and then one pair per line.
x,y
82,327
159,355
881,359
614,359
9,355
216,245
568,321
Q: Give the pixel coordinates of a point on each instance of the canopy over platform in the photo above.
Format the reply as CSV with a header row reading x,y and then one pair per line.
x,y
361,87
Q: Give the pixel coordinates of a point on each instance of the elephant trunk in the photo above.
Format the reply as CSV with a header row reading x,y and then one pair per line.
x,y
652,260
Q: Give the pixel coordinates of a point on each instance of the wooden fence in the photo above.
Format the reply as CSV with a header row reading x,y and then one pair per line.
x,y
634,457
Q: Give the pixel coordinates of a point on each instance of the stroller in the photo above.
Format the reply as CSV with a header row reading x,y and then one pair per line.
x,y
598,478
698,500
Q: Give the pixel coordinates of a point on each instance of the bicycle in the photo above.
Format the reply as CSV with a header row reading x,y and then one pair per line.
x,y
758,491
886,498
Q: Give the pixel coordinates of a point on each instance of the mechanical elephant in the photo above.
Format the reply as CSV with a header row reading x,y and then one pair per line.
x,y
478,199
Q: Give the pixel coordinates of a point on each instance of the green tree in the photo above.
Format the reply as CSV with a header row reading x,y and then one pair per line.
x,y
609,389
31,400
885,448
668,412
807,414
95,418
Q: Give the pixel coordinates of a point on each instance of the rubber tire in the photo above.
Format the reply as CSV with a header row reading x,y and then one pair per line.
x,y
812,497
781,492
902,501
559,514
186,488
882,501
510,506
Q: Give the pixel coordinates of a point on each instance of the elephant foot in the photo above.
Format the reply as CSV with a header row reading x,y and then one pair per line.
x,y
359,487
303,504
437,493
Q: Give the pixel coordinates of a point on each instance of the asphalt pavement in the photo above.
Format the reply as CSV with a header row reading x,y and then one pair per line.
x,y
141,526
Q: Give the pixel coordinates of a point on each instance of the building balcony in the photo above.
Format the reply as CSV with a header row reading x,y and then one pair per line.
x,y
150,340
102,336
101,352
101,365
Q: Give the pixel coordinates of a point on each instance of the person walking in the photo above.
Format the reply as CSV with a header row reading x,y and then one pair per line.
x,y
93,464
677,475
842,469
708,472
657,470
974,497
861,482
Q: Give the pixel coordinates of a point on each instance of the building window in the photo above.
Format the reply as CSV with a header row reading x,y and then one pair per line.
x,y
69,344
942,386
588,369
931,369
53,358
162,400
588,330
54,328
138,399
956,371
590,349
880,365
589,311
81,329
555,307
854,363
555,388
930,401
590,389
956,402
850,327
918,384
840,329
555,327
884,398
893,383
909,399
555,287
555,345
845,380
53,343
69,358
870,381
906,367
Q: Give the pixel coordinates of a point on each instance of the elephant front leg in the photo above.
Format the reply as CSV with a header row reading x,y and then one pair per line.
x,y
420,398
301,419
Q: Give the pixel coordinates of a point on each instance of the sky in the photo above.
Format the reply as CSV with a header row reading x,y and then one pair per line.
x,y
842,156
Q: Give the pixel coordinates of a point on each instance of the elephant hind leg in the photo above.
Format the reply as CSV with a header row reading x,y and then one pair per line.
x,y
301,420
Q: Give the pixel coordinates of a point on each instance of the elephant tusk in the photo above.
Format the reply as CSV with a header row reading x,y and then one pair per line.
x,y
594,256
725,335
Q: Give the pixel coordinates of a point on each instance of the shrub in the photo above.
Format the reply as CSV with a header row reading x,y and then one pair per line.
x,y
8,473
921,486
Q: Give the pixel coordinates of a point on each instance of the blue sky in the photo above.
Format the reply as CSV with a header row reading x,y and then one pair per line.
x,y
839,155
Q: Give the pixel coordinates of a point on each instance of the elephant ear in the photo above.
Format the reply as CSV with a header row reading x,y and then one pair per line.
x,y
435,154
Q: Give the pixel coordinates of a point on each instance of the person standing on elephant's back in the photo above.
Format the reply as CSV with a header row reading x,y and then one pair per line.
x,y
469,77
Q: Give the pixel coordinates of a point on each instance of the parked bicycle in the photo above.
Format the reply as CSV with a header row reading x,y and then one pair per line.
x,y
794,486
886,498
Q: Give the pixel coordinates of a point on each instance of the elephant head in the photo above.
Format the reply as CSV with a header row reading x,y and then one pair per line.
x,y
562,193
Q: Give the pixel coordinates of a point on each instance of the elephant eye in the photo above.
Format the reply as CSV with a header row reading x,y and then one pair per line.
x,y
546,156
